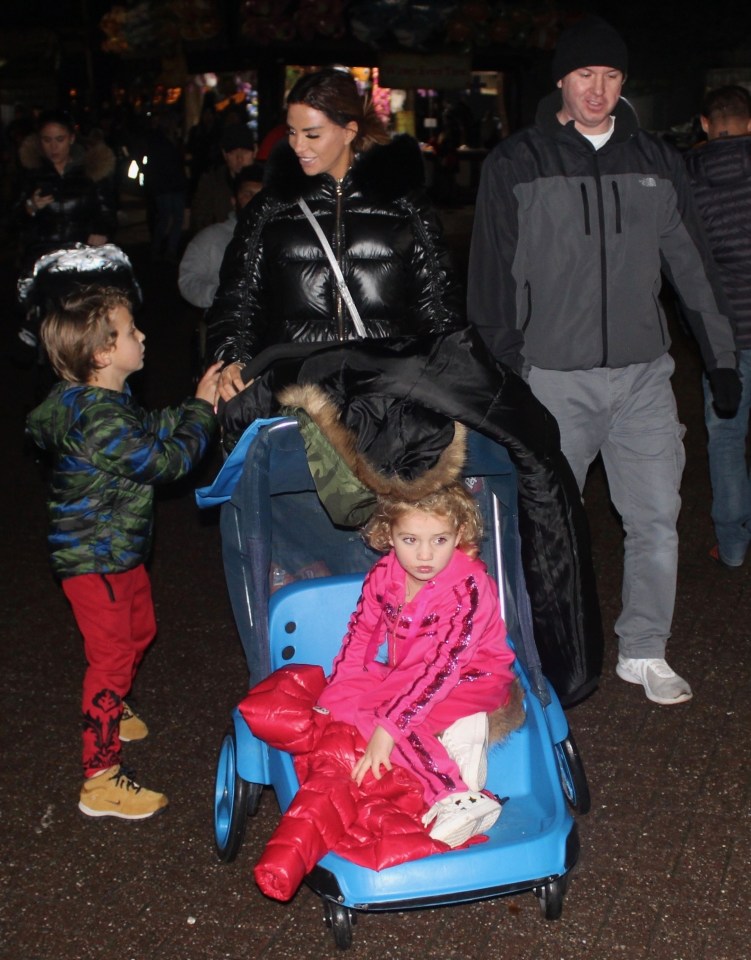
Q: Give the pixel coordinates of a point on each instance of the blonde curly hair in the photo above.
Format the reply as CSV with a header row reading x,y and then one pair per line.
x,y
454,502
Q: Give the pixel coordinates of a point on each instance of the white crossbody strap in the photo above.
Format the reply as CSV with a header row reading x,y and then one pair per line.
x,y
340,281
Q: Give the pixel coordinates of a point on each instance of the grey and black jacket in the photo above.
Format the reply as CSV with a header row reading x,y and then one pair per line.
x,y
569,245
277,286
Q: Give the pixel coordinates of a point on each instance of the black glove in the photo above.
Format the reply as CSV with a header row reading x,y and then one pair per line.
x,y
726,391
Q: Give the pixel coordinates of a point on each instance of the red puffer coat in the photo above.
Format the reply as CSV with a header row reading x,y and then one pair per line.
x,y
376,825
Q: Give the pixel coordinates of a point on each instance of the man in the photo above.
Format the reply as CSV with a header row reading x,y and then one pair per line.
x,y
720,174
198,277
574,219
212,202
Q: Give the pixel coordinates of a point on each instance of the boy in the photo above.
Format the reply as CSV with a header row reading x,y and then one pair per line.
x,y
108,453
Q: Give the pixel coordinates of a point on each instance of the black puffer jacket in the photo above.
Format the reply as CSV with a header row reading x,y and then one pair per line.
x,y
720,174
84,198
277,284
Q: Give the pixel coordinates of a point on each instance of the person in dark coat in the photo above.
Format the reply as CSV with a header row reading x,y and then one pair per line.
x,y
577,219
367,194
68,192
166,185
720,173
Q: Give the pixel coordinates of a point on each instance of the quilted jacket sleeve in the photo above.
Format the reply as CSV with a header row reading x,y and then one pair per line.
x,y
238,319
439,302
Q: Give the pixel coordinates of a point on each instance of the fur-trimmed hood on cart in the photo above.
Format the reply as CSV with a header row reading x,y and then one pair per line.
x,y
395,412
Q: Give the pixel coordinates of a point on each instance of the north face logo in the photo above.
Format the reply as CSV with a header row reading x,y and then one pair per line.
x,y
648,181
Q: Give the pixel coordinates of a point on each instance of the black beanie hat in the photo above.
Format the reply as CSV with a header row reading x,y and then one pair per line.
x,y
591,42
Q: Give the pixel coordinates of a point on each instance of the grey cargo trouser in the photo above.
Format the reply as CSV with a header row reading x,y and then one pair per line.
x,y
629,415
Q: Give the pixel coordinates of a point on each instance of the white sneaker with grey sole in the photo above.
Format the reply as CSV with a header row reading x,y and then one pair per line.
x,y
661,683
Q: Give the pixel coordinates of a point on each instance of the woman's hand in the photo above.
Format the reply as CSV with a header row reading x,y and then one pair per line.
x,y
38,201
377,754
231,382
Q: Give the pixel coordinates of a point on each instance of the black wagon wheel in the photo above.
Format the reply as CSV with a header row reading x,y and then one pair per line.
x,y
573,777
235,800
550,897
341,920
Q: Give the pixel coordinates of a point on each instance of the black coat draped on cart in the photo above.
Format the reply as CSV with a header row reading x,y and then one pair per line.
x,y
399,397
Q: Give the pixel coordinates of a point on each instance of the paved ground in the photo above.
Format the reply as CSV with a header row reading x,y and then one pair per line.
x,y
665,856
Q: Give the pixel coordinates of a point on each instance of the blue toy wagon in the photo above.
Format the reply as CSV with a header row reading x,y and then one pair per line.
x,y
294,579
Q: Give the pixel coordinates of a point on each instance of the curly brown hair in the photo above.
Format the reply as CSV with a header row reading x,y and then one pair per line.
x,y
454,502
79,327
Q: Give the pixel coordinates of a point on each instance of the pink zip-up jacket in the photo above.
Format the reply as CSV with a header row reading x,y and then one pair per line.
x,y
450,639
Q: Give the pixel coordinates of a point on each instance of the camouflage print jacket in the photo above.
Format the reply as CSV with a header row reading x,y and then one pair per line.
x,y
107,455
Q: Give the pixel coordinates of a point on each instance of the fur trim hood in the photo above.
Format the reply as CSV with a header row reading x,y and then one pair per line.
x,y
383,173
97,161
324,413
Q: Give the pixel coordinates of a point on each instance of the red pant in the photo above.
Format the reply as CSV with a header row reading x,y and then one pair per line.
x,y
115,614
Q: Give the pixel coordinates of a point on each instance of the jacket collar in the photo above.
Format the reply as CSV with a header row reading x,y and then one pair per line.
x,y
384,173
626,122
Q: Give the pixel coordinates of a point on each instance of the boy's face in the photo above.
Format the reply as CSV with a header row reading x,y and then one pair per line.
x,y
424,544
125,356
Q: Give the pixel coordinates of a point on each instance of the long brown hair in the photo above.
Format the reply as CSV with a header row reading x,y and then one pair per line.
x,y
334,92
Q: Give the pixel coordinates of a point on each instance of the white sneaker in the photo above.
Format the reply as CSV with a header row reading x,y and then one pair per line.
x,y
661,683
460,816
466,742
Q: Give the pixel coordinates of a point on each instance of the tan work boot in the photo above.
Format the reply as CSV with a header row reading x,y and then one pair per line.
x,y
132,727
114,793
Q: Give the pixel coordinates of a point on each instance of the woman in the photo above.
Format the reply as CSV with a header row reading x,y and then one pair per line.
x,y
68,191
366,192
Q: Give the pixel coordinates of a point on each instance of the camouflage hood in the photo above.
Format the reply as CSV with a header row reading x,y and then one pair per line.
x,y
347,479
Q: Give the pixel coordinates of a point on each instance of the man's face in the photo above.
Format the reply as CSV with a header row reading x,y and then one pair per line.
x,y
246,191
589,98
237,159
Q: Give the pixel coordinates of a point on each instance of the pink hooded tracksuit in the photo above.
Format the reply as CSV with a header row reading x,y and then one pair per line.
x,y
414,668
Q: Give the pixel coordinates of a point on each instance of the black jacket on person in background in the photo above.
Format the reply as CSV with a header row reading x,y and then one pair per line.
x,y
277,284
84,198
720,175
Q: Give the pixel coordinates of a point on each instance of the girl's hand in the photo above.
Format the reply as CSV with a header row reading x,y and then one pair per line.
x,y
231,381
206,388
377,754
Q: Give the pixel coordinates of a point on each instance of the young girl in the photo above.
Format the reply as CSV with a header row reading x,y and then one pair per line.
x,y
426,647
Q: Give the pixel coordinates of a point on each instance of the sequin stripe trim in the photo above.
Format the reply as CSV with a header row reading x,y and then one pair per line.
x,y
452,660
353,621
428,764
472,675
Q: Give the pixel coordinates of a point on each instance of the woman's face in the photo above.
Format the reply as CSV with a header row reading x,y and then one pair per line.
x,y
320,145
56,142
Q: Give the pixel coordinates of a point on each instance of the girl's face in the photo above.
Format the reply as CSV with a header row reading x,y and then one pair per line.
x,y
320,145
56,142
424,544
